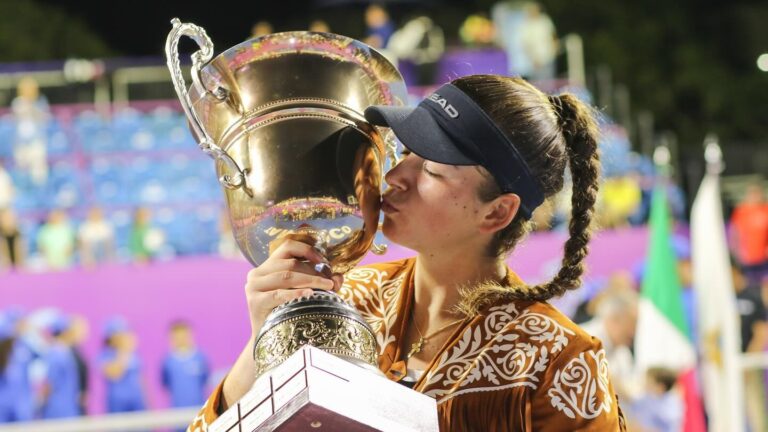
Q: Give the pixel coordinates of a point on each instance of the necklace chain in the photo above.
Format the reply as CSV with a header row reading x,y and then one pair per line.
x,y
417,346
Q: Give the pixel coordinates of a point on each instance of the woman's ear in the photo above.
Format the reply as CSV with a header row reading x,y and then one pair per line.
x,y
499,212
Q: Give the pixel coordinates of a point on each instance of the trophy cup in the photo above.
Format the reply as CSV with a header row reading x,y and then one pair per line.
x,y
282,115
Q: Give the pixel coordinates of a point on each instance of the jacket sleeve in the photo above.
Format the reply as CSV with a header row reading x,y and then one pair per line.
x,y
209,412
576,393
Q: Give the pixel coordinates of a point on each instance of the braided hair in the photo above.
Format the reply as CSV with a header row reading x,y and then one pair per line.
x,y
549,132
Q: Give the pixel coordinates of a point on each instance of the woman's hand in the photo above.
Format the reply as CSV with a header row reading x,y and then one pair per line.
x,y
288,273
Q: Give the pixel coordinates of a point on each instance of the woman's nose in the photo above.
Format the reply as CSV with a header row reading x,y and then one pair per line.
x,y
396,177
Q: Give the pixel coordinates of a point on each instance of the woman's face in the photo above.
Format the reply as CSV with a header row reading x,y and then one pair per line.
x,y
430,206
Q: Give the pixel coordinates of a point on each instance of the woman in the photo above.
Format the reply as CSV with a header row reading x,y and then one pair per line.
x,y
454,322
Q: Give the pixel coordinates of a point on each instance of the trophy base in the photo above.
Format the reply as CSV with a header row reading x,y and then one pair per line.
x,y
314,390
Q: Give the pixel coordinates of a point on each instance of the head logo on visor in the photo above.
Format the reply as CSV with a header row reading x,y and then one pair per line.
x,y
447,107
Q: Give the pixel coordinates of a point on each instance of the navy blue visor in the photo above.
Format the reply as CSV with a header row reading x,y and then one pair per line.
x,y
448,127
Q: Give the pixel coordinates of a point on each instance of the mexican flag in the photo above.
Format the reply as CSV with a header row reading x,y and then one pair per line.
x,y
662,338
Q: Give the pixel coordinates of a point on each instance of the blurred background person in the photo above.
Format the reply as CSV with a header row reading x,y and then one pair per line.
x,y
17,399
660,408
620,198
227,246
754,339
379,27
56,241
319,26
121,367
96,239
7,190
749,231
144,240
12,249
261,28
185,369
539,42
75,336
614,324
419,42
478,31
6,348
31,113
62,383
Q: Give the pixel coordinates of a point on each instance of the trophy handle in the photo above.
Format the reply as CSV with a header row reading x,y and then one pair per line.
x,y
199,59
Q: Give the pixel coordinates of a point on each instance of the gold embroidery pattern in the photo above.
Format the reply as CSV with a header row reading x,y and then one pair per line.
x,y
376,298
577,392
508,349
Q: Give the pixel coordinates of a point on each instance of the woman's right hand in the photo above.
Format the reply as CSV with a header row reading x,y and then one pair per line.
x,y
288,273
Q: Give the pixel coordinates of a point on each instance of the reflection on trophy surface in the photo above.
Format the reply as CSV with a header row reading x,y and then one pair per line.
x,y
282,115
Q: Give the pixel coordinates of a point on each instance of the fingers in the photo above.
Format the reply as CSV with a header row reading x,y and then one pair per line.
x,y
296,249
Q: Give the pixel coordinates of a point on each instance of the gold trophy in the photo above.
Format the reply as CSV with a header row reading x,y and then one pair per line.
x,y
282,115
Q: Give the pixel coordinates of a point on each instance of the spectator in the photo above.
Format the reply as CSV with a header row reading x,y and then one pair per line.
x,y
319,26
56,241
749,229
185,368
7,191
6,349
144,241
17,403
261,28
12,250
660,409
621,198
31,112
614,324
539,42
478,31
96,238
379,26
754,339
421,42
61,390
227,245
121,368
76,334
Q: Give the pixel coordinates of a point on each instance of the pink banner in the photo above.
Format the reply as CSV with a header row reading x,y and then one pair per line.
x,y
208,293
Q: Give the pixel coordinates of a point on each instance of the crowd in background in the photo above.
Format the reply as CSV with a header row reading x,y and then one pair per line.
x,y
44,374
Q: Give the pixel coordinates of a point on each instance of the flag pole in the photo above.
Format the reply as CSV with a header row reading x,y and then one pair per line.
x,y
718,321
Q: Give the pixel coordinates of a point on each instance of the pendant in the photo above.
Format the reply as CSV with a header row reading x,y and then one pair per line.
x,y
416,347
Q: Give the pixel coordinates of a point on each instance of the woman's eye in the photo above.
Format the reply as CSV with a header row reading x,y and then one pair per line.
x,y
405,152
427,171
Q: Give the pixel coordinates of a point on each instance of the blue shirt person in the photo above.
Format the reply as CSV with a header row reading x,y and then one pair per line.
x,y
185,369
16,397
62,378
122,369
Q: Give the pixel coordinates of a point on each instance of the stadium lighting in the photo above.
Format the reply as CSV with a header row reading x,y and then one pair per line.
x,y
762,62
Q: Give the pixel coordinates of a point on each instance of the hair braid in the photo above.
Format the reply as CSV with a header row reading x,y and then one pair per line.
x,y
580,131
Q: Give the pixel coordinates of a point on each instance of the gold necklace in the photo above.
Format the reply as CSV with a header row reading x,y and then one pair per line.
x,y
417,346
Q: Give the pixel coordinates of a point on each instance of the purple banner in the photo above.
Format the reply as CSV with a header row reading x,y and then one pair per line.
x,y
208,293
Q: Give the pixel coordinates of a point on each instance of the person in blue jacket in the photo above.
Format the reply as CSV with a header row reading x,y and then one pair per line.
x,y
62,388
122,368
185,368
17,402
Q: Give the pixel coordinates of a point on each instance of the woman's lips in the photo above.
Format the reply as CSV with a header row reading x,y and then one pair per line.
x,y
386,207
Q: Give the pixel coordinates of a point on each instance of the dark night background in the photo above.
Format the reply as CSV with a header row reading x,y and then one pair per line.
x,y
691,63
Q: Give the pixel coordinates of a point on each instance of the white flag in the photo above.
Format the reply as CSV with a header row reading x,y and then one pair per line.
x,y
718,320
